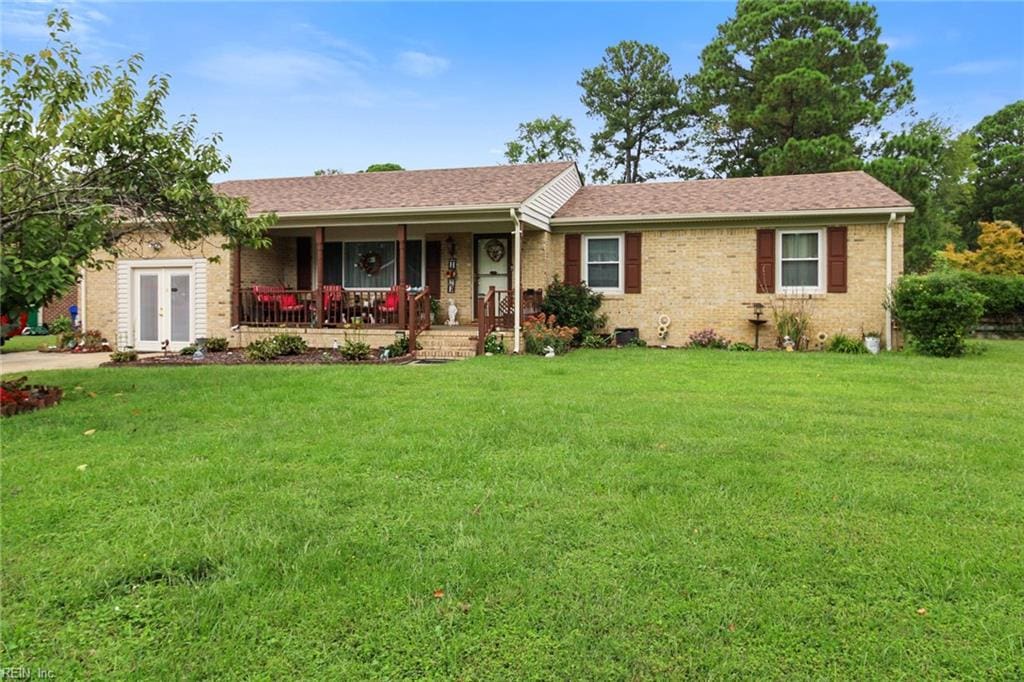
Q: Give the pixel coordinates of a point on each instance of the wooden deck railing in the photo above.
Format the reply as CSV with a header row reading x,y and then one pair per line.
x,y
277,307
486,318
419,315
280,307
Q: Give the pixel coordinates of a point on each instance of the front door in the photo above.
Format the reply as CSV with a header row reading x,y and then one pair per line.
x,y
163,302
493,266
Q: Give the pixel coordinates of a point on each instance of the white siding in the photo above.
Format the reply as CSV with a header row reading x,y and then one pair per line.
x,y
538,209
199,297
123,283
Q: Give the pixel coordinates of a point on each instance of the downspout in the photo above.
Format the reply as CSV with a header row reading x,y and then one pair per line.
x,y
888,278
81,306
517,282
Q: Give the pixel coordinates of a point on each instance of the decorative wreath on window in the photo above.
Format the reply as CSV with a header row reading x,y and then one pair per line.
x,y
370,262
495,249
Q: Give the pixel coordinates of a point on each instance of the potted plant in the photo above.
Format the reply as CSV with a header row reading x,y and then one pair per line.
x,y
873,342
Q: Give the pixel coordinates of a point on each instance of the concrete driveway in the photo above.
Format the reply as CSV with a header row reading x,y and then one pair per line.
x,y
34,361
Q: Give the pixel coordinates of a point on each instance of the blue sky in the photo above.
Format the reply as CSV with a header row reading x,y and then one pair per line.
x,y
298,86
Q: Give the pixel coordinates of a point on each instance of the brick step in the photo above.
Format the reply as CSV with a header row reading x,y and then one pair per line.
x,y
444,354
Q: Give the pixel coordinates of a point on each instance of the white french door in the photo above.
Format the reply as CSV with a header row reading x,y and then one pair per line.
x,y
163,305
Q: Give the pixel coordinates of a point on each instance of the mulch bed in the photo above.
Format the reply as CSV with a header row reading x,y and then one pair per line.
x,y
17,396
314,356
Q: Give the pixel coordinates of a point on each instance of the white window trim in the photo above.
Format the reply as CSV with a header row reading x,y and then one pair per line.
x,y
820,289
585,258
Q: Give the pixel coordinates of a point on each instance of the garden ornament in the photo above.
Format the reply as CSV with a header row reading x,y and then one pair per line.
x,y
453,313
788,344
549,351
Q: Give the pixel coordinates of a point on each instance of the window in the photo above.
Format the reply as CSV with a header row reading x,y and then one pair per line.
x,y
800,261
603,256
369,265
372,265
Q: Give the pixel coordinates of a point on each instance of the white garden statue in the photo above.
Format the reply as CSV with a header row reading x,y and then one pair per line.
x,y
453,313
549,351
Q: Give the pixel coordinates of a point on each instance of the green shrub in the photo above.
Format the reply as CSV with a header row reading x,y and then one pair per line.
x,y
124,356
574,305
635,342
61,326
188,350
399,347
1004,294
740,346
261,350
938,311
595,341
216,344
494,344
841,343
289,344
359,350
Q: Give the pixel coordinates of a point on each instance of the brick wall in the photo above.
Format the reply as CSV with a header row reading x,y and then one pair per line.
x,y
101,285
705,278
59,306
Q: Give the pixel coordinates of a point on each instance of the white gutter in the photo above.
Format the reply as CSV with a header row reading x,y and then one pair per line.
x,y
388,211
693,217
517,282
888,278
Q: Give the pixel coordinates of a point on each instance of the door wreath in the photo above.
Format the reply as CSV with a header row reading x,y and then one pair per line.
x,y
495,249
370,262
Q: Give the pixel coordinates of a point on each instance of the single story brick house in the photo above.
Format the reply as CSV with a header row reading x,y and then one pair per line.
x,y
378,246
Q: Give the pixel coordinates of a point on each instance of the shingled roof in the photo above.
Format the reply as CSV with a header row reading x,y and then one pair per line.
x,y
454,187
832,192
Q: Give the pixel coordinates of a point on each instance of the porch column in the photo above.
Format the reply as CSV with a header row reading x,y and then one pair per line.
x,y
236,286
517,284
402,293
319,276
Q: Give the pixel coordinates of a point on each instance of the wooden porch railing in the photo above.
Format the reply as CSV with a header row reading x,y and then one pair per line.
x,y
486,318
497,310
419,315
276,307
280,307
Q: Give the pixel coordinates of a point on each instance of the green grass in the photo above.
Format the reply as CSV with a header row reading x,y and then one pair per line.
x,y
606,515
18,344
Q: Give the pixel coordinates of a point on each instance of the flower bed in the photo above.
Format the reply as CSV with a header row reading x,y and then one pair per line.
x,y
17,396
312,356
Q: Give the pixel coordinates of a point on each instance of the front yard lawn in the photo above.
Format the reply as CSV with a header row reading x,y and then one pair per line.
x,y
18,344
606,515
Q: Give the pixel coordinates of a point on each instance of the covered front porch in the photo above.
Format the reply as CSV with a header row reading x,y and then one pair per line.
x,y
382,278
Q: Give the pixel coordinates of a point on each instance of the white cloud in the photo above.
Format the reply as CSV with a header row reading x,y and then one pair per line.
x,y
421,64
251,66
980,67
348,49
27,21
303,76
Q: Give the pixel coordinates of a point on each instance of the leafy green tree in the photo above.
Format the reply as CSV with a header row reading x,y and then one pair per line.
x,y
999,184
544,139
328,171
929,165
637,99
790,86
87,161
382,167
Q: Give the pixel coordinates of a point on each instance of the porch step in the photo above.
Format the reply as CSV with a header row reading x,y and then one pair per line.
x,y
447,343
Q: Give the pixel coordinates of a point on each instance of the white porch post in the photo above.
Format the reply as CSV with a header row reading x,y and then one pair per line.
x,y
517,283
